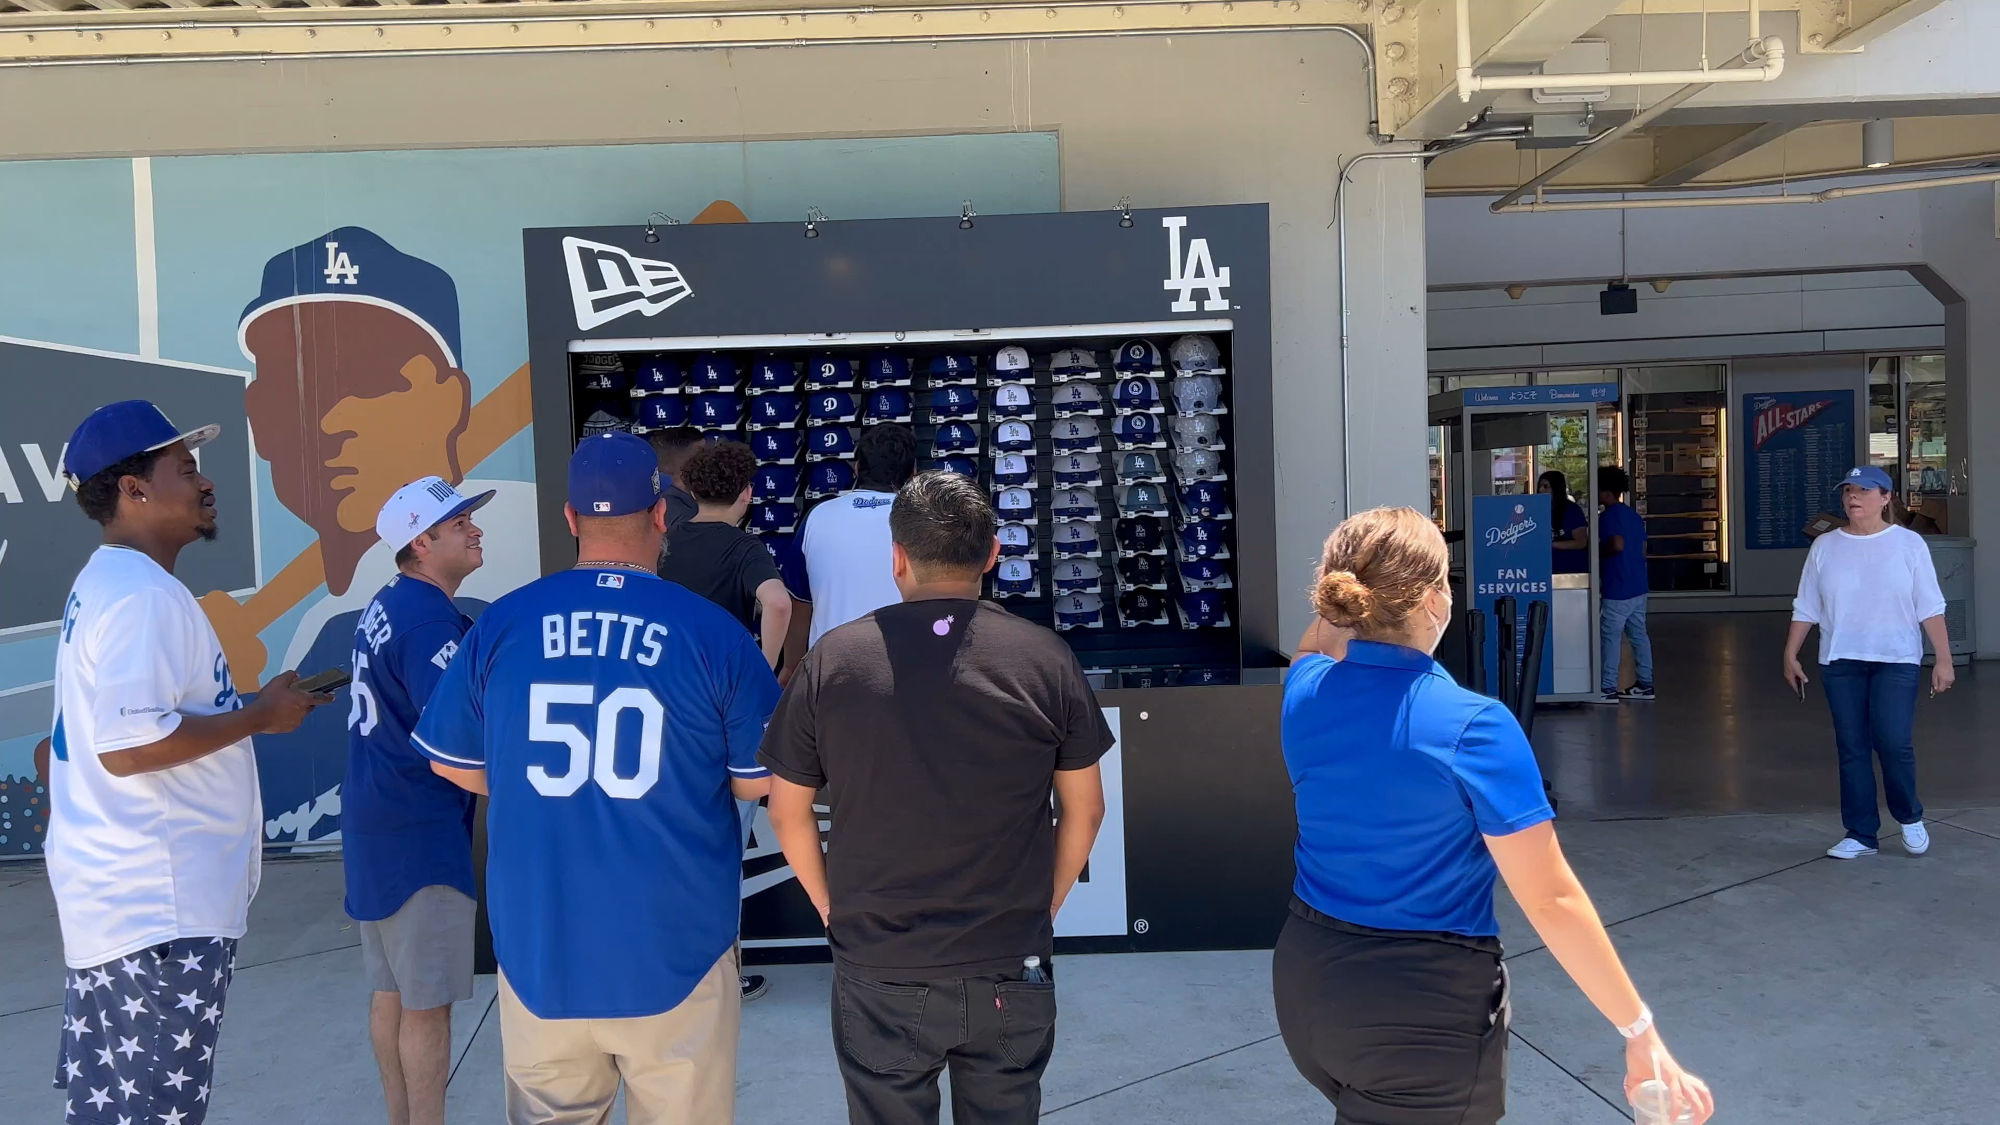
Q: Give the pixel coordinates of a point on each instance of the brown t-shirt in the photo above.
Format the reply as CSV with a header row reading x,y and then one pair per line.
x,y
936,728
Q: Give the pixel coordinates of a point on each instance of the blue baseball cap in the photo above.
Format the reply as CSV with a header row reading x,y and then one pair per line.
x,y
1864,476
830,371
775,409
774,373
887,369
713,371
613,474
780,446
661,412
121,429
830,441
358,265
963,466
775,482
829,478
657,375
890,404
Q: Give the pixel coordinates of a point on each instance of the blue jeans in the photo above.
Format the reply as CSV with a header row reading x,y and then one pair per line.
x,y
1874,709
1620,618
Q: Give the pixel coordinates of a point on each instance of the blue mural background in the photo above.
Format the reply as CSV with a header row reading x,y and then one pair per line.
x,y
69,264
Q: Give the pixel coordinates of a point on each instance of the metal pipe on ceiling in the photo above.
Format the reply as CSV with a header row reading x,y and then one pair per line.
x,y
1768,48
1827,196
1765,69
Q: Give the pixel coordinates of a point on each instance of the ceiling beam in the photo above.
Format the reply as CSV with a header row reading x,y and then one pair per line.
x,y
1840,26
1507,36
1687,153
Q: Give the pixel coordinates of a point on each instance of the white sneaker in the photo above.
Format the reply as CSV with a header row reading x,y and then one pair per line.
x,y
1850,848
1916,838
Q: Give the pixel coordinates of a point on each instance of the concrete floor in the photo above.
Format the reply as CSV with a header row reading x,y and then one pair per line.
x,y
1804,989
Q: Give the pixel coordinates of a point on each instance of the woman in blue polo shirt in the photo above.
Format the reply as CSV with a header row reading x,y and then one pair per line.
x,y
1413,793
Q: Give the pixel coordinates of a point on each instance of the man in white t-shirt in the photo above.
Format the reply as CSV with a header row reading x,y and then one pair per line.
x,y
153,808
846,539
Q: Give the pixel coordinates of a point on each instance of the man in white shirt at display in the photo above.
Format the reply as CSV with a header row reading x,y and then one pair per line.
x,y
154,816
845,542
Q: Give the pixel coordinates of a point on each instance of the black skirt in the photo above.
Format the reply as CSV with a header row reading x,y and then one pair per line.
x,y
1394,1028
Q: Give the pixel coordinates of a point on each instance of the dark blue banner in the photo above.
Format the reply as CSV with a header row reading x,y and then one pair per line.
x,y
1511,544
1796,447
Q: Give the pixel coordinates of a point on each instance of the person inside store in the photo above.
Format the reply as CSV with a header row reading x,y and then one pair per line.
x,y
713,556
845,540
1621,559
673,447
1413,793
939,726
1872,591
1571,538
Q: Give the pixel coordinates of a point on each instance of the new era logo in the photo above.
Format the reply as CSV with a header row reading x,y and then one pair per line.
x,y
606,283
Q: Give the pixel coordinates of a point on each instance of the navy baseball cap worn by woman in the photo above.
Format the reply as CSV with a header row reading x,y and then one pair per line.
x,y
1414,795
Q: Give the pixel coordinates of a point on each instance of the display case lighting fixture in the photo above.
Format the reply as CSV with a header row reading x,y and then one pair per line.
x,y
965,214
666,220
814,217
1125,211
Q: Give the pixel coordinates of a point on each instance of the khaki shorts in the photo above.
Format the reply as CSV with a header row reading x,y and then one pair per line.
x,y
677,1067
423,952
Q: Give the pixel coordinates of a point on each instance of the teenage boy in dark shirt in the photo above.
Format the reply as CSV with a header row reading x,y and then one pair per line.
x,y
938,727
713,556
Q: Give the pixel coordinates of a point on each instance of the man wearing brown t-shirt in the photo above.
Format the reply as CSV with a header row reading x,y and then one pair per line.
x,y
939,728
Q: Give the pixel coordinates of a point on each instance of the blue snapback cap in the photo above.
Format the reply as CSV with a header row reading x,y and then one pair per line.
x,y
121,429
613,474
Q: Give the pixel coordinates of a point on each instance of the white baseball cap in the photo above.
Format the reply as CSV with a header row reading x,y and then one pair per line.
x,y
421,505
1013,357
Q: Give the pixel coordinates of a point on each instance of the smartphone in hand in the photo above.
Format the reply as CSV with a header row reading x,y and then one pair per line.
x,y
333,679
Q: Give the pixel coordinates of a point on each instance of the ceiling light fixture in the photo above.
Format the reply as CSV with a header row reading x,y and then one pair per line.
x,y
814,217
1878,142
965,214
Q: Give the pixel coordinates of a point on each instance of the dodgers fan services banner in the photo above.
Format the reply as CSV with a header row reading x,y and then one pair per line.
x,y
1796,447
1511,559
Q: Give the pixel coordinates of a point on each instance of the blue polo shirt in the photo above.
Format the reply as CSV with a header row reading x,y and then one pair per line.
x,y
402,827
609,709
1398,773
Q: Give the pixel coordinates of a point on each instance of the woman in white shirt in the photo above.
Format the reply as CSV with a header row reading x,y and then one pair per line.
x,y
1873,592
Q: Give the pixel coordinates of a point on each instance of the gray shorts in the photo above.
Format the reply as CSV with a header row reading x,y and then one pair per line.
x,y
424,950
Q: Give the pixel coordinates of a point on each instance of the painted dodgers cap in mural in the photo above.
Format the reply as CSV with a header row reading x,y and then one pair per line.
x,y
613,474
118,430
356,264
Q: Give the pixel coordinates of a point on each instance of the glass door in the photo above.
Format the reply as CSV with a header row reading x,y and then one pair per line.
x,y
1680,448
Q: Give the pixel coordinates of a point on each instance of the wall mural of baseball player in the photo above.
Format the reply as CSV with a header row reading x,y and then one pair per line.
x,y
357,391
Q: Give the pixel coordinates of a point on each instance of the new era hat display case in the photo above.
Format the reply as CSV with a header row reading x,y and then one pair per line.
x,y
1195,851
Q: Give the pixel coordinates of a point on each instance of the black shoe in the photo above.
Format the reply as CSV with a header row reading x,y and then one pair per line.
x,y
754,985
1641,692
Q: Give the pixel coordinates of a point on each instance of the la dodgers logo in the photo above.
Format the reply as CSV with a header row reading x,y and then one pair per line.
x,y
1514,532
340,269
606,282
1194,271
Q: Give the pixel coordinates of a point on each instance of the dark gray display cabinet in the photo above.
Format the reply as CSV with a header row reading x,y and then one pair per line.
x,y
1036,353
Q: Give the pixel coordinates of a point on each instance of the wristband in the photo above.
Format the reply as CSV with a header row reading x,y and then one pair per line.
x,y
1639,1026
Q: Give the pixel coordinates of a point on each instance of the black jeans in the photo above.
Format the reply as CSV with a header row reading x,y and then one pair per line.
x,y
996,1033
1395,1029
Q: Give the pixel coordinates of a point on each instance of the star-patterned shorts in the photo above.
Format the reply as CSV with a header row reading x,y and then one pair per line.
x,y
138,1042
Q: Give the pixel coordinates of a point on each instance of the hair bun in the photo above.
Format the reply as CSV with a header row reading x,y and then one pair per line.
x,y
1344,600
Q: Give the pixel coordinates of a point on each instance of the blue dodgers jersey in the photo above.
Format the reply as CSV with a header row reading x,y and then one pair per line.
x,y
403,828
609,709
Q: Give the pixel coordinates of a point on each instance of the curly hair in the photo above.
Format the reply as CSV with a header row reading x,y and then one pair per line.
x,y
718,472
98,496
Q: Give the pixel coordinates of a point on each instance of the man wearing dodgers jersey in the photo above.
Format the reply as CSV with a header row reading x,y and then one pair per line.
x,y
406,833
611,716
154,820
